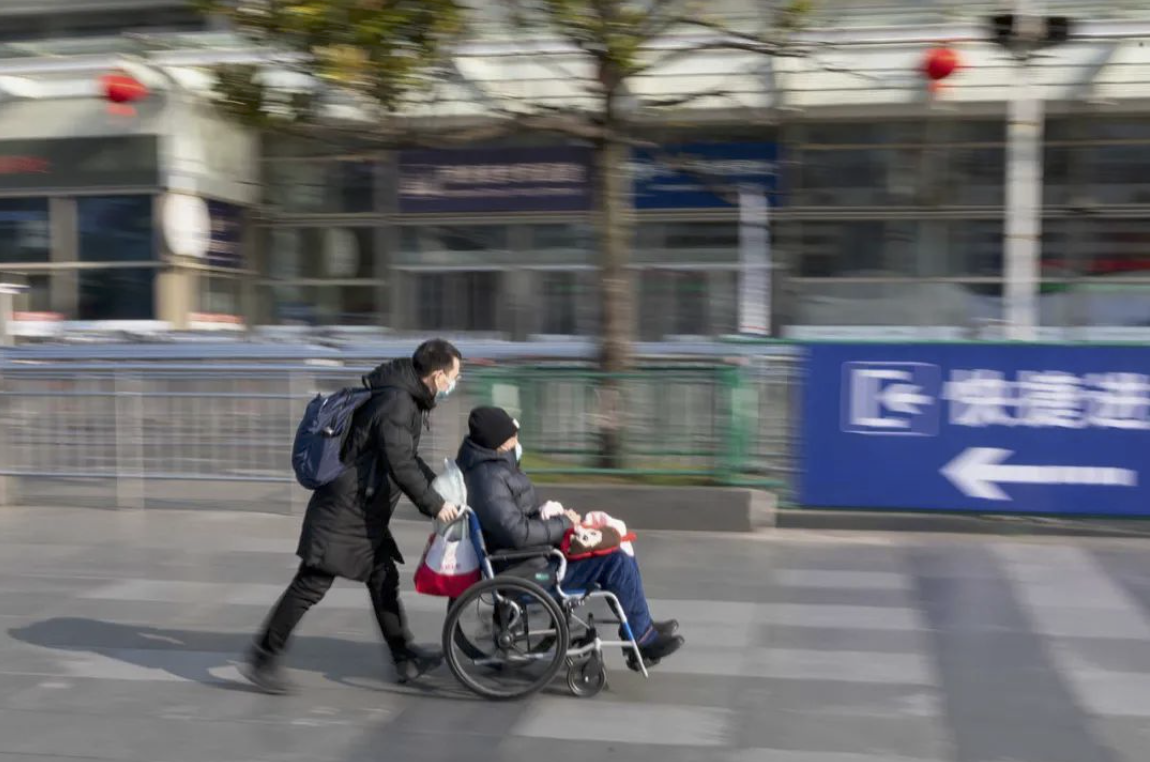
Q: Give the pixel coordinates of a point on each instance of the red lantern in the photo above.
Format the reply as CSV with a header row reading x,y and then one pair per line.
x,y
940,63
121,88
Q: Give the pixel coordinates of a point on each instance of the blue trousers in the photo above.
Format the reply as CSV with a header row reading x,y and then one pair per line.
x,y
617,573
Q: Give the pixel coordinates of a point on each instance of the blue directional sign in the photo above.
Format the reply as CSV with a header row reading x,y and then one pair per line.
x,y
703,175
990,428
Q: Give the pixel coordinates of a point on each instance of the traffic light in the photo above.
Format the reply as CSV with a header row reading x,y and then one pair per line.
x,y
1010,31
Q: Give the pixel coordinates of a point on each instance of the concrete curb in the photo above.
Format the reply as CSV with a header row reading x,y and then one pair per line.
x,y
952,523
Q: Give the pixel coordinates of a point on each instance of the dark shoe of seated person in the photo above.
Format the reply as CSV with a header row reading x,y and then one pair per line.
x,y
670,627
654,648
415,662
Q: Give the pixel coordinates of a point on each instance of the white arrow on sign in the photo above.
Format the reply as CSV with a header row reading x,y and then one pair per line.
x,y
978,471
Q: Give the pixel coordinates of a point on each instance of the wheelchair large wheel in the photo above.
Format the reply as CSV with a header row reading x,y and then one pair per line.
x,y
505,638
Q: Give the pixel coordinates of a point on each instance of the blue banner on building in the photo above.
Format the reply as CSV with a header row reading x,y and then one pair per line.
x,y
702,175
991,428
547,179
226,246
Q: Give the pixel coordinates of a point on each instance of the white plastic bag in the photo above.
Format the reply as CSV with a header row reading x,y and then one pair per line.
x,y
450,485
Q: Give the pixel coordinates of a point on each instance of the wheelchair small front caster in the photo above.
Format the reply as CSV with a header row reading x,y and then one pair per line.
x,y
588,677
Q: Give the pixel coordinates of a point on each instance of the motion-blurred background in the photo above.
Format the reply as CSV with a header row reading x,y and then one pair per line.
x,y
199,201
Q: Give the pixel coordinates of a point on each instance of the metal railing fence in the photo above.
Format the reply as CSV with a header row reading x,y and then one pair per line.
x,y
187,434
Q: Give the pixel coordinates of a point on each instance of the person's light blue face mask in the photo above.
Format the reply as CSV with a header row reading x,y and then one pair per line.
x,y
443,394
518,452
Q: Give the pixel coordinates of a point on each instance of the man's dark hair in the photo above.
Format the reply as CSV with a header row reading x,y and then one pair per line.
x,y
435,355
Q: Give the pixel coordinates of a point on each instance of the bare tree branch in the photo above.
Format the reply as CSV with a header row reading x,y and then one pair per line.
x,y
714,45
658,19
687,98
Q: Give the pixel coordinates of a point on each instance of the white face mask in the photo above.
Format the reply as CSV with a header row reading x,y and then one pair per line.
x,y
443,394
518,452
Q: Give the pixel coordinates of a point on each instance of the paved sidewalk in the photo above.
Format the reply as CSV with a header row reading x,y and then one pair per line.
x,y
118,632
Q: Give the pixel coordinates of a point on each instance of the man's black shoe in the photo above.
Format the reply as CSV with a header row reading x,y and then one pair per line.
x,y
262,670
415,662
668,628
660,647
654,651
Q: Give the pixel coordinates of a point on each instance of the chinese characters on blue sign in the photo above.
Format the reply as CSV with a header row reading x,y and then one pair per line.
x,y
703,175
979,428
555,179
495,180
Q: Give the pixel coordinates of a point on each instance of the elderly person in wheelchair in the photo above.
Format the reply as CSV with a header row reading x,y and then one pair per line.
x,y
512,523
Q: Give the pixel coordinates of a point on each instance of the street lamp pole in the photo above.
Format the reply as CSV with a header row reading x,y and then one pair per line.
x,y
1024,32
1024,136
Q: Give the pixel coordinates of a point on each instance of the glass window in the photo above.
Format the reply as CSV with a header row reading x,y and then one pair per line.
x,y
324,305
1117,248
455,238
660,242
220,295
701,235
38,297
328,252
1112,303
860,133
895,303
560,237
482,297
975,248
1119,174
860,176
1060,256
964,131
1117,129
845,177
723,300
292,304
454,245
461,301
24,230
1057,173
348,305
846,164
976,176
560,302
654,305
858,248
689,300
117,294
673,302
116,229
317,186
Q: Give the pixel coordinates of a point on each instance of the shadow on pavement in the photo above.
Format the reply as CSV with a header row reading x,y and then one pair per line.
x,y
205,657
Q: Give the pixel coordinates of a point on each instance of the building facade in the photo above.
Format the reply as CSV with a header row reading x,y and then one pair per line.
x,y
886,202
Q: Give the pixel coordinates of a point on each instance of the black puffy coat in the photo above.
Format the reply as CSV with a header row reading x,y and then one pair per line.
x,y
345,531
504,500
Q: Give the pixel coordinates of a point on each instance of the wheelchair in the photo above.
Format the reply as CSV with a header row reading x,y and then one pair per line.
x,y
509,635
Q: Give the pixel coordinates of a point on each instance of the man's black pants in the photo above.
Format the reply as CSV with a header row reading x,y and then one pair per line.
x,y
309,587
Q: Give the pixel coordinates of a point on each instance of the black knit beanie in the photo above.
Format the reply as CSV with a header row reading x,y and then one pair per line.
x,y
490,427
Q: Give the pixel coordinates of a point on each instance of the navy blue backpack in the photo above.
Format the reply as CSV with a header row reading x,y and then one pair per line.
x,y
315,454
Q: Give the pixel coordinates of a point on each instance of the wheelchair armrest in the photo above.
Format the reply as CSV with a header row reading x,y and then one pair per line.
x,y
521,554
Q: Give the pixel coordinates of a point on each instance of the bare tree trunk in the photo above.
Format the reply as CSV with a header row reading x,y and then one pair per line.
x,y
616,293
